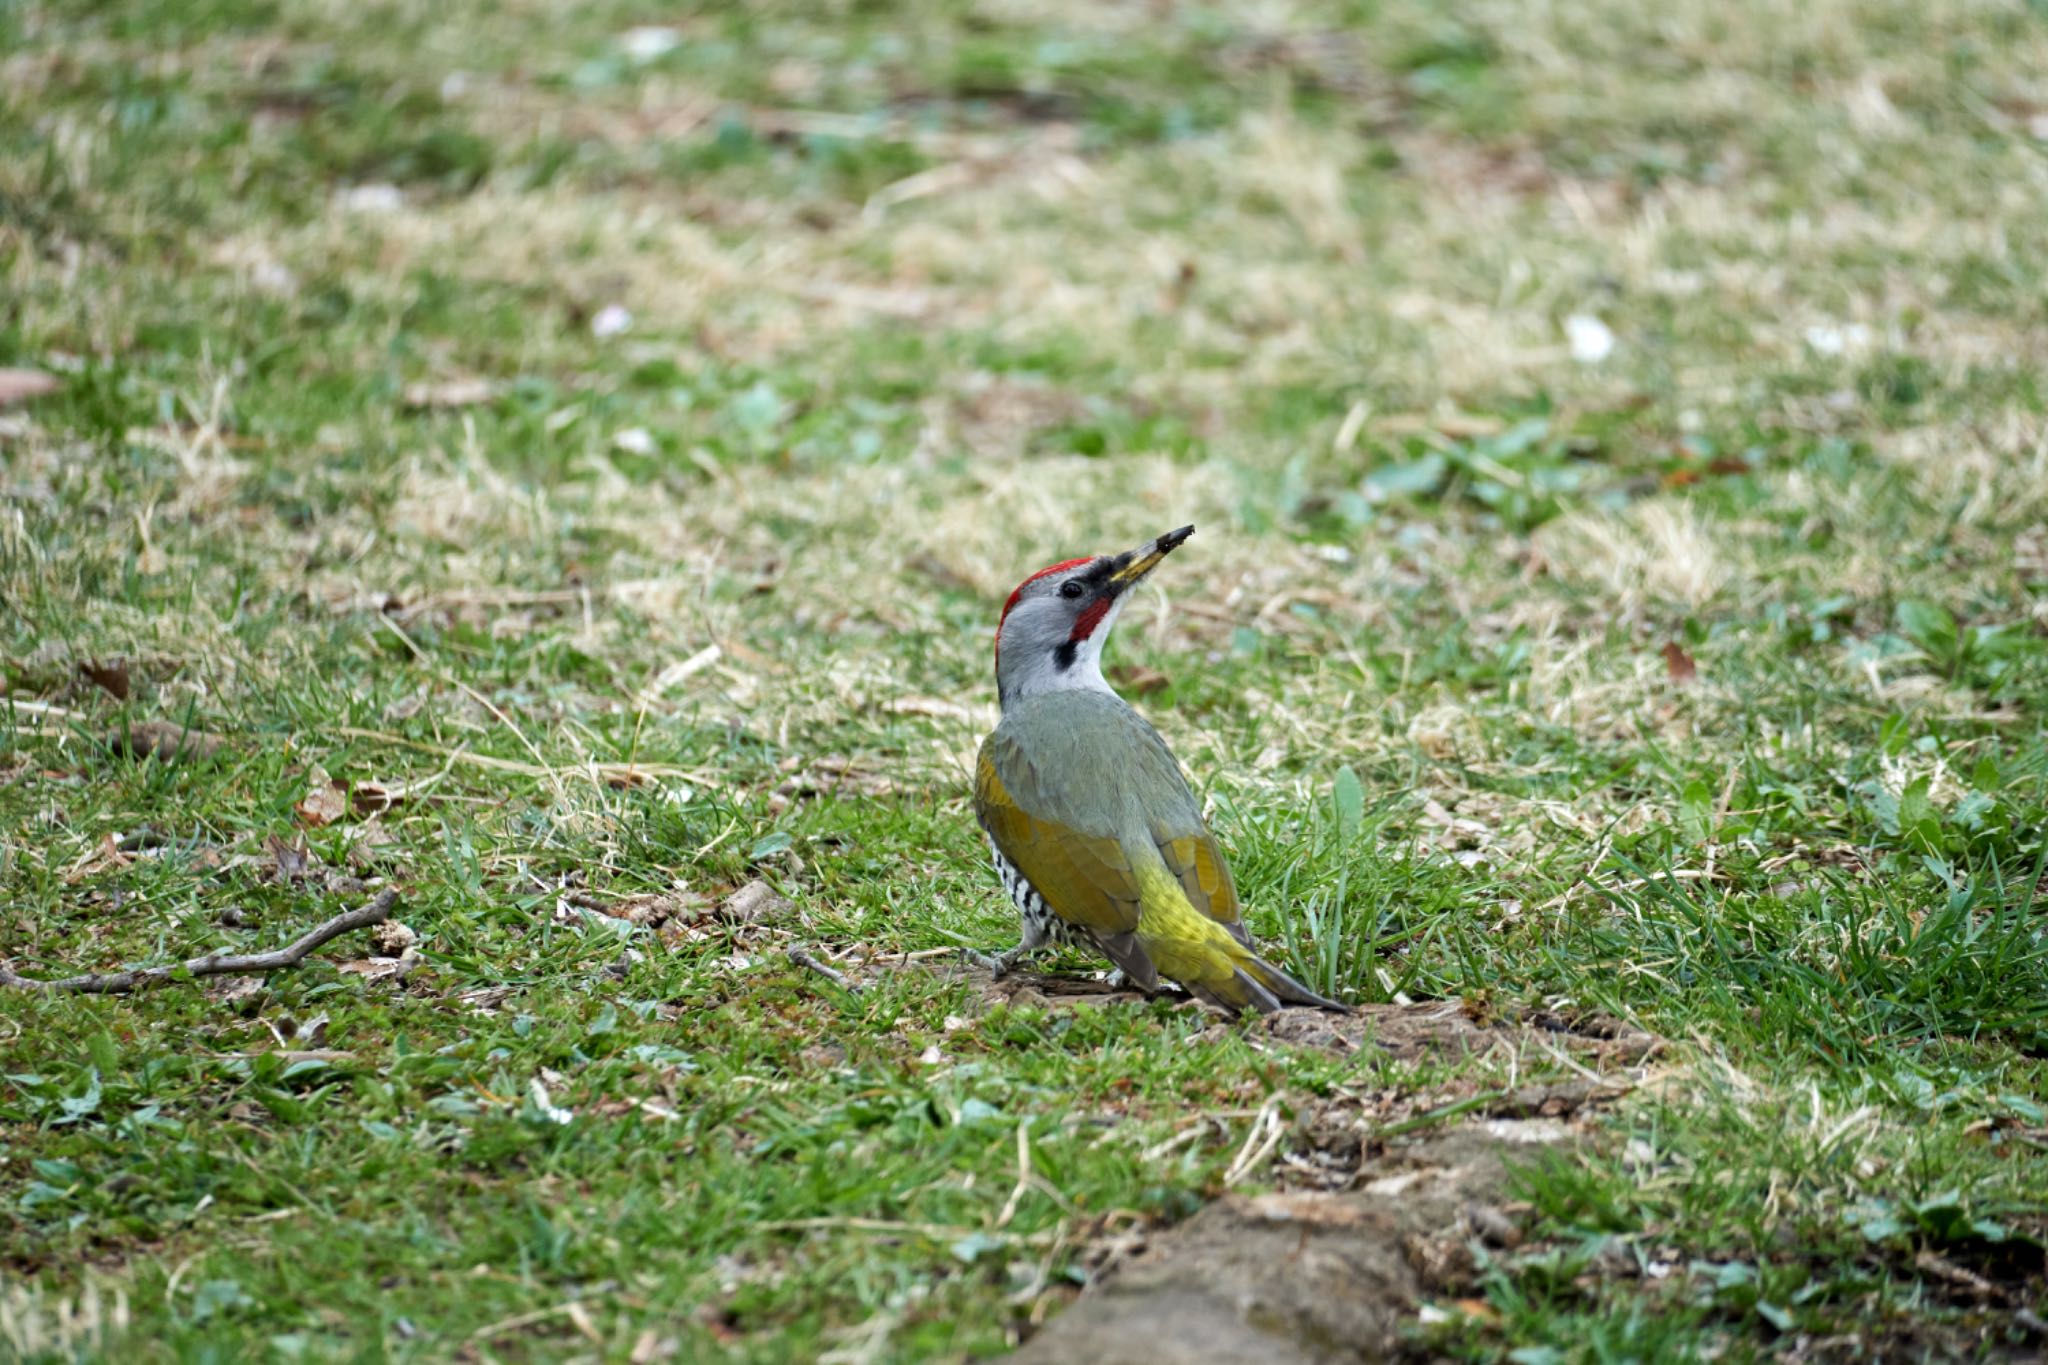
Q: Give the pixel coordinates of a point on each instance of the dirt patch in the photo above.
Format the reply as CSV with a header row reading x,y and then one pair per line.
x,y
1383,1194
1302,1277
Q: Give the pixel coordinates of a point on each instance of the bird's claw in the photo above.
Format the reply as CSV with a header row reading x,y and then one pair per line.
x,y
994,963
998,965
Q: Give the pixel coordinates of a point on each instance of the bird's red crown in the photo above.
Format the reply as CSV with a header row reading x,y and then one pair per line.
x,y
1018,592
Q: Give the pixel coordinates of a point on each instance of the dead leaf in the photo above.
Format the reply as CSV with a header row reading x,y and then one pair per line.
x,y
163,740
655,910
392,939
103,855
1679,664
326,802
486,999
233,990
450,393
754,903
374,798
287,1030
18,385
289,862
110,678
380,968
1460,831
369,842
1139,679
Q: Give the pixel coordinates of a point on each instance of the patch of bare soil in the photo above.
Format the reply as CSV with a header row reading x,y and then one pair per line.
x,y
1305,1277
1382,1194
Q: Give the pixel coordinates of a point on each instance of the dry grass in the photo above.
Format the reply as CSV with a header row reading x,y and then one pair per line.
x,y
1640,660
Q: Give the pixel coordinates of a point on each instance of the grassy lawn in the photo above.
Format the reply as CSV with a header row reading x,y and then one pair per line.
x,y
564,462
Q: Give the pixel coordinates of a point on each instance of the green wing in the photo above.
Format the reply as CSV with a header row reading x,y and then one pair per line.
x,y
1085,878
1079,864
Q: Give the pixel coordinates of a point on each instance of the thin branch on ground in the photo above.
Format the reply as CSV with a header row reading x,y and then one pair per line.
x,y
802,957
215,964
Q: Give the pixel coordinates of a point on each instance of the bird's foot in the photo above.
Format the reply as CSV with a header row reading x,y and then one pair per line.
x,y
999,965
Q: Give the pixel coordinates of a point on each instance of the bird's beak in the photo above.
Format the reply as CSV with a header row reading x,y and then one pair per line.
x,y
1142,560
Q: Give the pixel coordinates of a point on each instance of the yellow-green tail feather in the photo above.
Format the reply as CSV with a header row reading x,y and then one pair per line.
x,y
1203,956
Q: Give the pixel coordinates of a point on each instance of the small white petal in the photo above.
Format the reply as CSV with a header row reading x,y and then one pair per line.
x,y
610,321
538,1093
1590,339
375,198
636,441
649,42
272,278
1828,339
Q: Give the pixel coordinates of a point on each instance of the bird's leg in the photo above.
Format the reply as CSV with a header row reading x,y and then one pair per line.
x,y
1002,964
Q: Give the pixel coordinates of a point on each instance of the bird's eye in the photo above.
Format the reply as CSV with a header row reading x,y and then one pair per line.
x,y
1072,588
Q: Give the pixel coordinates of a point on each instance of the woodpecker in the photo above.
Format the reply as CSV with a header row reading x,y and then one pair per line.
x,y
1093,830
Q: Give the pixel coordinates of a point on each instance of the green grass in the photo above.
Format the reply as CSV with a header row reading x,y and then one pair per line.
x,y
1701,686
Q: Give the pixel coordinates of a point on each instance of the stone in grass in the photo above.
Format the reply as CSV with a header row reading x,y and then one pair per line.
x,y
755,903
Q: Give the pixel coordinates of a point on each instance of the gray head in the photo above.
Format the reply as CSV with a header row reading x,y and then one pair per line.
x,y
1053,626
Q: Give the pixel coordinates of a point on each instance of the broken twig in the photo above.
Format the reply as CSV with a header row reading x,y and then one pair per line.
x,y
801,956
214,964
